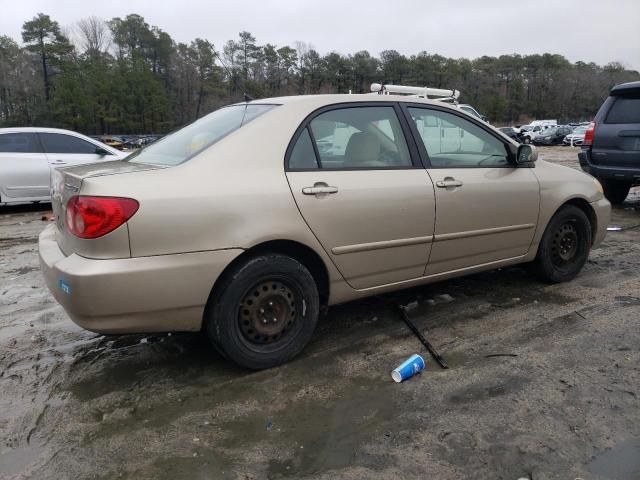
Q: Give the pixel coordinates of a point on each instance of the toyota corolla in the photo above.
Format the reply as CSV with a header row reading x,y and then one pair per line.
x,y
247,222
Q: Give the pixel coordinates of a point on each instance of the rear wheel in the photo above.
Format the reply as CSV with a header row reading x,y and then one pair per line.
x,y
615,191
565,245
526,140
264,312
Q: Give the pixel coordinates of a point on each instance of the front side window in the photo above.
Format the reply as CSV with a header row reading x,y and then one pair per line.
x,y
199,135
60,143
454,142
357,137
19,143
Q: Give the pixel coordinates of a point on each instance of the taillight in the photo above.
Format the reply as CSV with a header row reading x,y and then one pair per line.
x,y
93,217
588,136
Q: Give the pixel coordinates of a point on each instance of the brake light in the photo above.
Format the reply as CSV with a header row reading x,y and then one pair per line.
x,y
93,217
588,136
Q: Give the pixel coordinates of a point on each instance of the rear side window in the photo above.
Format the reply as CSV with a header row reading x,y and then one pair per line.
x,y
19,143
199,135
59,143
303,156
359,138
624,110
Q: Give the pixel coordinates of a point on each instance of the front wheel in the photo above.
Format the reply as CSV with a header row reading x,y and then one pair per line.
x,y
264,312
526,140
565,246
615,191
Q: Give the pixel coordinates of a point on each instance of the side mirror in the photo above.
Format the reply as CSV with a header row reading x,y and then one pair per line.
x,y
526,155
101,151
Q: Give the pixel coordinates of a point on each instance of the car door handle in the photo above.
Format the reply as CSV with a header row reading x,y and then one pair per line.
x,y
448,182
58,162
319,188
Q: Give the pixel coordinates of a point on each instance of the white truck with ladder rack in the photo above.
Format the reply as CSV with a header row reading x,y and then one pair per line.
x,y
440,94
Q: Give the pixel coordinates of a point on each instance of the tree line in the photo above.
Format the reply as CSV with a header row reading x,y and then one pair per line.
x,y
125,76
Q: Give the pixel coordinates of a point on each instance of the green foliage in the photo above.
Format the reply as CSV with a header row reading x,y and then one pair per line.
x,y
126,76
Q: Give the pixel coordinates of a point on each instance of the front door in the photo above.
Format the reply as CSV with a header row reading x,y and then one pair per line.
x,y
24,171
363,194
487,208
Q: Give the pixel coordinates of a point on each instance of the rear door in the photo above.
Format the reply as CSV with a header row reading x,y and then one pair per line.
x,y
487,208
617,138
24,171
357,181
67,150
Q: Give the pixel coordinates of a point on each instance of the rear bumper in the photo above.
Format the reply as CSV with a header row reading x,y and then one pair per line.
x,y
128,295
602,209
629,174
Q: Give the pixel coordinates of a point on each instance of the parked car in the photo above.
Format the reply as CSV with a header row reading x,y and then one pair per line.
x,y
611,147
529,132
113,142
544,123
472,111
553,135
576,137
241,226
512,133
27,156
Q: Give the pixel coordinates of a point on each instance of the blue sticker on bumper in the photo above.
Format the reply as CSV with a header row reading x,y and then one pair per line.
x,y
64,286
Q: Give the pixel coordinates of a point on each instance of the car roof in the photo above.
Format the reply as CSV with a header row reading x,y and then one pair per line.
x,y
330,99
625,88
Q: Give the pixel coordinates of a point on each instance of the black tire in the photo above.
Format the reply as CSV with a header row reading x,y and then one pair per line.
x,y
526,140
565,246
264,311
615,191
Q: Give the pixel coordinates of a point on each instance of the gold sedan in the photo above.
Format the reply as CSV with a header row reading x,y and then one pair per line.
x,y
246,222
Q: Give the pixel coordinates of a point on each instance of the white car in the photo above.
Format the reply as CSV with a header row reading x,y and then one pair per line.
x,y
29,154
576,137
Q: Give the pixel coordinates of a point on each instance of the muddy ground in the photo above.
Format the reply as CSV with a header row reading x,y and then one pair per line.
x,y
544,383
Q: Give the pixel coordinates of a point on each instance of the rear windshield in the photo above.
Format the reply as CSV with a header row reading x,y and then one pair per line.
x,y
199,135
624,110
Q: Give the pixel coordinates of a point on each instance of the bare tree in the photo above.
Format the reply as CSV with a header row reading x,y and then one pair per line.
x,y
94,36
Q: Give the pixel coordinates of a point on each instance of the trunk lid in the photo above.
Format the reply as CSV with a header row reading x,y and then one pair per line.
x,y
67,182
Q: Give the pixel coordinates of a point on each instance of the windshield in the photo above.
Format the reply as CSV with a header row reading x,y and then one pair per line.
x,y
580,130
199,135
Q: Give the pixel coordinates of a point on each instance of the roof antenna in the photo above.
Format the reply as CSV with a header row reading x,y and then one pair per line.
x,y
247,98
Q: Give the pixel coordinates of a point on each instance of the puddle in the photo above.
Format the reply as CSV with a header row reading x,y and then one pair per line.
x,y
622,462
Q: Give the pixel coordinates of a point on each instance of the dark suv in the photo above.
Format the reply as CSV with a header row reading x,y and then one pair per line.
x,y
611,147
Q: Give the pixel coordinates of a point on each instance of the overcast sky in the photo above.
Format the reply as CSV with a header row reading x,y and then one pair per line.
x,y
587,30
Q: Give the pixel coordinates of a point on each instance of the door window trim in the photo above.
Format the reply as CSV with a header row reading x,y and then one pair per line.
x,y
306,123
424,156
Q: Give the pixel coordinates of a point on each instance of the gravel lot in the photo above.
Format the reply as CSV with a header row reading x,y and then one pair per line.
x,y
544,382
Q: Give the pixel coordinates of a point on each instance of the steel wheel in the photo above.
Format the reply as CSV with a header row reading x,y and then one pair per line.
x,y
267,312
564,244
264,311
564,247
